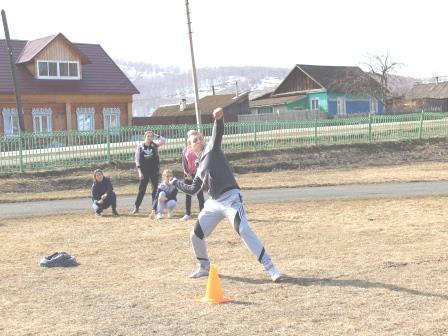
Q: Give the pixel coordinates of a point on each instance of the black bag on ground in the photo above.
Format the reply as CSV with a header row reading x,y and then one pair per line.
x,y
58,259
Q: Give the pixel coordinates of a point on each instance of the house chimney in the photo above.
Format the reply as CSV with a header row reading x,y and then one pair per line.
x,y
183,104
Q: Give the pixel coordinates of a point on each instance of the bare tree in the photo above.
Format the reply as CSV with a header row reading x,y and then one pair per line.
x,y
381,66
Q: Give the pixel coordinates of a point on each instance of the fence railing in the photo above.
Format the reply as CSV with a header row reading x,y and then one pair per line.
x,y
56,150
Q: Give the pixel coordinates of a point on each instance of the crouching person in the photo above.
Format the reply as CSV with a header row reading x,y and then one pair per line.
x,y
103,195
166,196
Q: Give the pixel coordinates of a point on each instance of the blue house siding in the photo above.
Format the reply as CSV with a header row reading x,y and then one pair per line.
x,y
353,104
357,106
328,103
332,107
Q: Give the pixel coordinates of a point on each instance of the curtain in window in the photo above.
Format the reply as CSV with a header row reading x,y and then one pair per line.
x,y
41,119
10,121
86,118
111,117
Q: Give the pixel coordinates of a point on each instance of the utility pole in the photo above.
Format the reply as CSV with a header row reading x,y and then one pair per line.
x,y
193,69
13,73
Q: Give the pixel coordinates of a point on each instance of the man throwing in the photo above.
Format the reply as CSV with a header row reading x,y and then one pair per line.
x,y
215,176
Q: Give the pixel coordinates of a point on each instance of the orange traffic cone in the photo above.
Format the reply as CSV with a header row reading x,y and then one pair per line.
x,y
214,293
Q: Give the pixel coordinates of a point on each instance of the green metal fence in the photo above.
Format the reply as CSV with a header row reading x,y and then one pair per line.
x,y
47,151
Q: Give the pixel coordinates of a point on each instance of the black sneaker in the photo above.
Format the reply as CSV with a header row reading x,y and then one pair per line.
x,y
135,211
115,213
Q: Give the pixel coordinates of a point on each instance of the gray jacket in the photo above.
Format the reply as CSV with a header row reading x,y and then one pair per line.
x,y
214,174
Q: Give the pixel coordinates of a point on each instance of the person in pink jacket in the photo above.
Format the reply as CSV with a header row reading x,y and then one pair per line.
x,y
189,158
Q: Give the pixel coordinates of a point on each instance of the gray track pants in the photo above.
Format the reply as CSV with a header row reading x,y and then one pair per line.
x,y
228,205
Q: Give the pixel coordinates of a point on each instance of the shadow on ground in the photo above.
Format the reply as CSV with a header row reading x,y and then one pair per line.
x,y
356,283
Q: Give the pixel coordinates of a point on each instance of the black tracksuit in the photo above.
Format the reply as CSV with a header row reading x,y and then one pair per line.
x,y
147,159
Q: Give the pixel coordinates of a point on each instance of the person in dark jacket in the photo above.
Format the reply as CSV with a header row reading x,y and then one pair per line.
x,y
215,176
103,195
166,196
147,162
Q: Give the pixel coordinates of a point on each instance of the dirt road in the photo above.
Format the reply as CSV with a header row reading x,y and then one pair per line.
x,y
125,203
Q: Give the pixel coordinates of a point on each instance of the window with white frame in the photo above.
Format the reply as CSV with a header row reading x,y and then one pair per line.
x,y
111,117
41,119
10,121
58,70
315,103
86,118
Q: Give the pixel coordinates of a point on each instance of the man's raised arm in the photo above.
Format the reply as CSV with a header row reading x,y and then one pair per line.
x,y
218,128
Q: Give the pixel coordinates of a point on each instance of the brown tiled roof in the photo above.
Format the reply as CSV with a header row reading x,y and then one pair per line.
x,y
206,106
275,101
437,91
100,76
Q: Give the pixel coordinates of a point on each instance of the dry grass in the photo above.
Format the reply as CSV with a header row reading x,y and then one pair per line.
x,y
429,171
369,267
40,189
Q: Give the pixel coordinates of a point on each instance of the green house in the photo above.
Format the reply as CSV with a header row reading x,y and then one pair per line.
x,y
330,90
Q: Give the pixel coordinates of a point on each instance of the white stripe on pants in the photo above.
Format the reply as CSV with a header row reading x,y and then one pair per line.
x,y
227,205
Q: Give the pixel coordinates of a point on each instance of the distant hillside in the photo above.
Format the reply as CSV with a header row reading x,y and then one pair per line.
x,y
399,85
159,85
168,85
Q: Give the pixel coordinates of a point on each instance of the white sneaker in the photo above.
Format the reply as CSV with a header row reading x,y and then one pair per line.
x,y
170,214
199,273
185,218
275,275
159,216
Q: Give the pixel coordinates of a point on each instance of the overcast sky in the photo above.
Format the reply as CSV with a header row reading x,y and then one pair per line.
x,y
277,33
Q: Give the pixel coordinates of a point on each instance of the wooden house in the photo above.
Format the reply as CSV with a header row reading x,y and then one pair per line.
x,y
432,97
185,113
63,86
332,90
